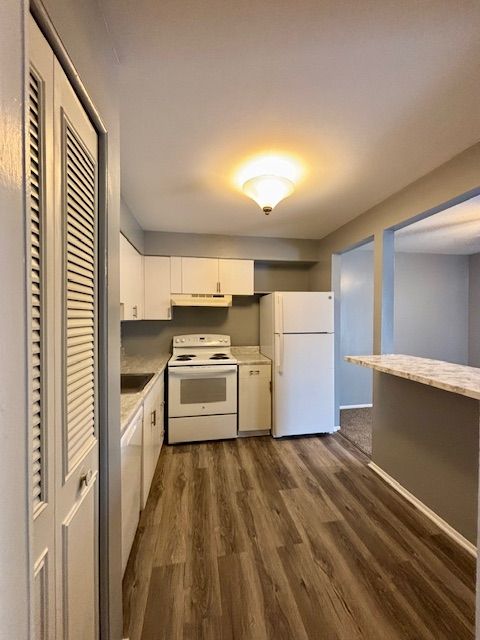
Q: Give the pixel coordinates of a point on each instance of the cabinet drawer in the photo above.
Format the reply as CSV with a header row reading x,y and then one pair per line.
x,y
255,370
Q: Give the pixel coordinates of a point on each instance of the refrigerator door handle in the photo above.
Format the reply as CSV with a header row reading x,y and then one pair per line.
x,y
279,349
279,313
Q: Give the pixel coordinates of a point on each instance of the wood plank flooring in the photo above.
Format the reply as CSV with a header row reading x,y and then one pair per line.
x,y
295,539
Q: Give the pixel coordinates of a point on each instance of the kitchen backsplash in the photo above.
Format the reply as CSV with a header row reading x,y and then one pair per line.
x,y
240,321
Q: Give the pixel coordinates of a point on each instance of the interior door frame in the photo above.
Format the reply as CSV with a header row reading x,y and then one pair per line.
x,y
336,288
110,598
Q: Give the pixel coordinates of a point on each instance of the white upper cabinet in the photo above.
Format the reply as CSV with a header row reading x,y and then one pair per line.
x,y
147,283
212,275
131,281
236,277
157,288
200,275
175,274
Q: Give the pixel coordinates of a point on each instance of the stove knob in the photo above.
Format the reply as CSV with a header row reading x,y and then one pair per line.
x,y
183,340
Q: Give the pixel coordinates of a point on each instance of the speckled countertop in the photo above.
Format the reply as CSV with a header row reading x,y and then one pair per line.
x,y
456,378
249,355
130,402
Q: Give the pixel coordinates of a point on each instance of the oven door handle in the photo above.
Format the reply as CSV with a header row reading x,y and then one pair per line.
x,y
202,371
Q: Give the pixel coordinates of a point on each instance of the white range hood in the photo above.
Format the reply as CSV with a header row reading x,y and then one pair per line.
x,y
201,300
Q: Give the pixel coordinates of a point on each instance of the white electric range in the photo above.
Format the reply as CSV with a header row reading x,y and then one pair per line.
x,y
202,389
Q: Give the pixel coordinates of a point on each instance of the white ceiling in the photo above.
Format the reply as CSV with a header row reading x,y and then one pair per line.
x,y
453,231
371,94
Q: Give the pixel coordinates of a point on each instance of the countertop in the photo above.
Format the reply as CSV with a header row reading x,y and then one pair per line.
x,y
250,355
130,402
456,378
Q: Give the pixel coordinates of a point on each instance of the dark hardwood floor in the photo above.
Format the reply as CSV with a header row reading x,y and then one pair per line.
x,y
289,540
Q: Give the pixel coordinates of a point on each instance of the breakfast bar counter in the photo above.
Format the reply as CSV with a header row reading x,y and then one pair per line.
x,y
456,378
425,436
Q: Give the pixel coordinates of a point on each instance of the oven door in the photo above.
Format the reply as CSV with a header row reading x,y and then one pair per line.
x,y
202,390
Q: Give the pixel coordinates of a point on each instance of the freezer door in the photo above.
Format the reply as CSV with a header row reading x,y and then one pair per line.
x,y
303,385
304,312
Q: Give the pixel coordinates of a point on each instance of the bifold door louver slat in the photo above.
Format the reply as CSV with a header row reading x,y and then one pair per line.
x,y
36,208
79,296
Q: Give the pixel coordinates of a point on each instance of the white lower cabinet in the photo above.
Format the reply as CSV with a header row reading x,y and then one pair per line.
x,y
254,397
131,448
153,433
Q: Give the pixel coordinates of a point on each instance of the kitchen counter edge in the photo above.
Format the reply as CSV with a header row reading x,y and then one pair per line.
x,y
131,402
455,378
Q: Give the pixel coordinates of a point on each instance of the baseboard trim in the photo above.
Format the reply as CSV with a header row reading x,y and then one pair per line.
x,y
440,522
356,406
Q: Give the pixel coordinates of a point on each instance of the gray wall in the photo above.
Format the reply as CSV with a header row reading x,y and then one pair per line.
x,y
446,185
431,306
427,440
83,33
281,276
474,311
158,243
241,322
130,228
356,326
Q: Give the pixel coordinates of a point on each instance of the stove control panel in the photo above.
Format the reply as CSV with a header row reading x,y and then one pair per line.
x,y
202,340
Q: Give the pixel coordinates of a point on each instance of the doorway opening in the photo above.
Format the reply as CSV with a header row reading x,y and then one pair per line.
x,y
354,293
437,286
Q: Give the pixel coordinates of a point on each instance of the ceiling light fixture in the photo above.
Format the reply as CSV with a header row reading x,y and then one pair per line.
x,y
268,190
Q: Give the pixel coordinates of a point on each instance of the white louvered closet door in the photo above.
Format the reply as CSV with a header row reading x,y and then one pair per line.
x,y
76,498
62,216
41,282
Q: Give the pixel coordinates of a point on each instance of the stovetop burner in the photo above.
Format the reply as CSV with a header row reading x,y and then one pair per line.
x,y
219,356
185,357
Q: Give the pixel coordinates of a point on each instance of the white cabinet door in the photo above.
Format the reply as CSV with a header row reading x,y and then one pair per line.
x,y
148,467
176,274
157,288
200,275
131,281
152,435
255,398
236,277
158,433
131,456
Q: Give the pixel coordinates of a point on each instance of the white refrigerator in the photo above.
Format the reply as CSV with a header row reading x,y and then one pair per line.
x,y
297,334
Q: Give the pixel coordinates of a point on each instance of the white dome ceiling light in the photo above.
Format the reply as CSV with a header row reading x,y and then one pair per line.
x,y
268,191
269,178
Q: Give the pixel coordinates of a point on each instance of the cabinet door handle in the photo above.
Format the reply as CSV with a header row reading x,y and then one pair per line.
x,y
135,311
153,421
254,372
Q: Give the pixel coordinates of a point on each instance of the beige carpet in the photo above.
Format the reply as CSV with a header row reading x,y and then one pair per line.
x,y
356,425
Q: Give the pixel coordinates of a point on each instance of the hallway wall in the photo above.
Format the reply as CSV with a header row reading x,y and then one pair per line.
x,y
474,311
432,306
356,326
